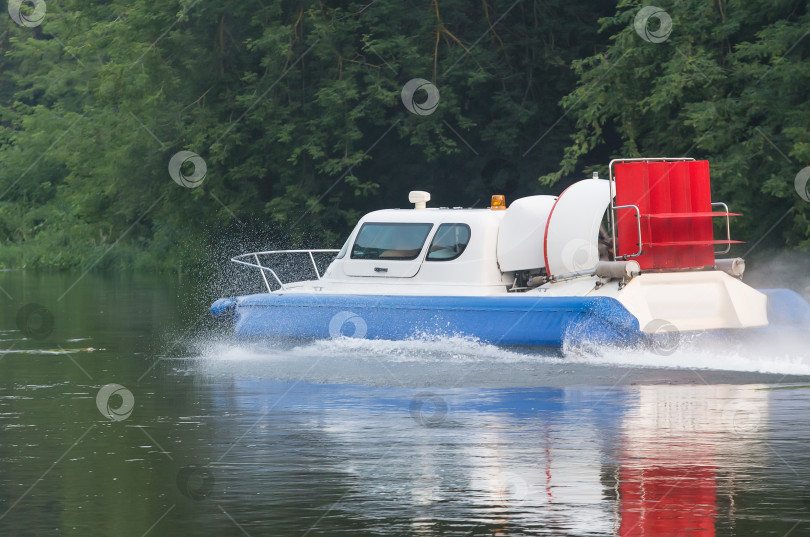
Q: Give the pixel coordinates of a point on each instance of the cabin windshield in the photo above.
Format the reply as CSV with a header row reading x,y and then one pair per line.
x,y
402,241
344,248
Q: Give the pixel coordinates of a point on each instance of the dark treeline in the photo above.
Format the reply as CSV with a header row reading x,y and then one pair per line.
x,y
296,110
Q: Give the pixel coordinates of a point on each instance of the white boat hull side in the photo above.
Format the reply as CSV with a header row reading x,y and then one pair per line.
x,y
694,301
691,301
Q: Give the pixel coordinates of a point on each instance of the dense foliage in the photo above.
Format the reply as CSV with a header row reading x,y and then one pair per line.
x,y
728,85
295,108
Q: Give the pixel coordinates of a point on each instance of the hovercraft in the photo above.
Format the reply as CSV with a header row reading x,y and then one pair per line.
x,y
606,261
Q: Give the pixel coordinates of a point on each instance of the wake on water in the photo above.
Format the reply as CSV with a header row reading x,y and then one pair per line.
x,y
434,361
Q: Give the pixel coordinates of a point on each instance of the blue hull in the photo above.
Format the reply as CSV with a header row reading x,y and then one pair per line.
x,y
510,320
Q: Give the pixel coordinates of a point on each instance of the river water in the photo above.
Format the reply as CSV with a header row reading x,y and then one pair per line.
x,y
124,411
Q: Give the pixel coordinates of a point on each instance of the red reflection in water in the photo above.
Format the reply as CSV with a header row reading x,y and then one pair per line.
x,y
668,501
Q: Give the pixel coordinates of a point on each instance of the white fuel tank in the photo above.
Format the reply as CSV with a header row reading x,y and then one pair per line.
x,y
520,235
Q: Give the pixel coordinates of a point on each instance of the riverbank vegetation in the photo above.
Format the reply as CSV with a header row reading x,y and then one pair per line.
x,y
294,111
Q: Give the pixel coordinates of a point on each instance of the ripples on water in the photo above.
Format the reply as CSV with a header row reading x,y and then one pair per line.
x,y
453,437
353,437
609,447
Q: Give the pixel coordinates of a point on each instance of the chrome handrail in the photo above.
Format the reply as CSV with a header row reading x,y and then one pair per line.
x,y
262,268
728,228
640,240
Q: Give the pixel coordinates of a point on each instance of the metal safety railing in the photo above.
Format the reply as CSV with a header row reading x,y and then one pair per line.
x,y
614,207
263,269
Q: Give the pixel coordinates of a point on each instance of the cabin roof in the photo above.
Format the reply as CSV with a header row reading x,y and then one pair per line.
x,y
435,215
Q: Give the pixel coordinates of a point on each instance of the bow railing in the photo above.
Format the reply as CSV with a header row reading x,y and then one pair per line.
x,y
263,269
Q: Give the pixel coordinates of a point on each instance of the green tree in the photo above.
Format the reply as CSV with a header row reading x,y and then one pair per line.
x,y
728,85
295,108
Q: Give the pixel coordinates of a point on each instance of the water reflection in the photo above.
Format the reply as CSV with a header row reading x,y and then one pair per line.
x,y
646,461
388,439
675,440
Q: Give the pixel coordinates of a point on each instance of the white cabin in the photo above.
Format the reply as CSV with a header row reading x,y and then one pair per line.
x,y
471,252
451,249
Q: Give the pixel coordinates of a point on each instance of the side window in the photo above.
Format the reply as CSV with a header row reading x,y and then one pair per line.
x,y
449,242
